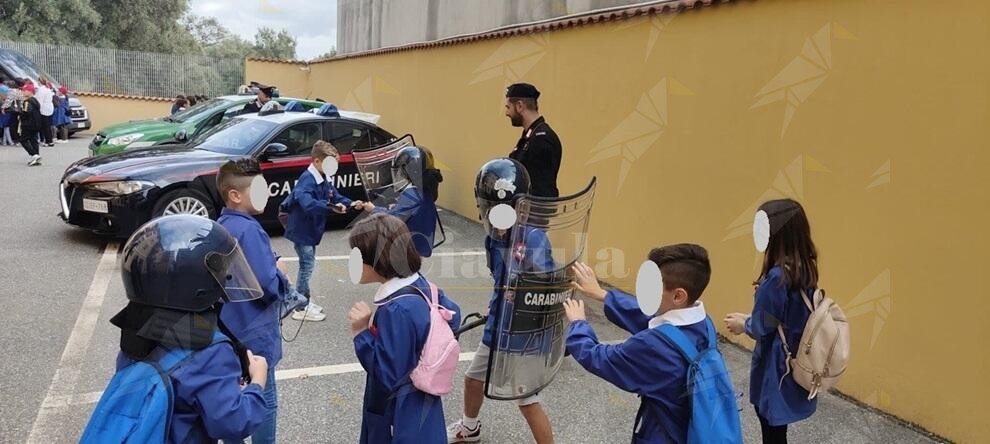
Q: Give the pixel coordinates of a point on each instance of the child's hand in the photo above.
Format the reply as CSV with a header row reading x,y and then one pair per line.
x,y
357,204
339,208
736,323
369,207
360,316
586,282
574,309
257,369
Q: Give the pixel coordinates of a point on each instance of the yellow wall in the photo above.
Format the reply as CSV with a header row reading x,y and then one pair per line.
x,y
292,79
105,110
691,120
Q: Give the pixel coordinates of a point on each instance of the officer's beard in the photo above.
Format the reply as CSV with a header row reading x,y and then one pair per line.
x,y
516,119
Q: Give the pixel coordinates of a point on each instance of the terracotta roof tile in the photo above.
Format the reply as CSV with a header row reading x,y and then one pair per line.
x,y
274,60
122,96
574,21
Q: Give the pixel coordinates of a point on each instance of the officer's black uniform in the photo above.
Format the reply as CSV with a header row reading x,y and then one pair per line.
x,y
538,149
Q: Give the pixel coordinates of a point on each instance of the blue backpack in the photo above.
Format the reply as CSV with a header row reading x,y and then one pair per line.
x,y
714,413
137,405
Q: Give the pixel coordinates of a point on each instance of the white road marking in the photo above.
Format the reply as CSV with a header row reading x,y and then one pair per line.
x,y
344,258
280,375
70,365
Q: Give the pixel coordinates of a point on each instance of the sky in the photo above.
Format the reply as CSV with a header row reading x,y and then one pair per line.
x,y
312,22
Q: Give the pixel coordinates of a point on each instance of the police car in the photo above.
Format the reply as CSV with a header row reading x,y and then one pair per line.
x,y
117,193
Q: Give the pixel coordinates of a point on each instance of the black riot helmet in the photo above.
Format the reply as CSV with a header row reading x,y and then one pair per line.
x,y
186,263
408,166
500,182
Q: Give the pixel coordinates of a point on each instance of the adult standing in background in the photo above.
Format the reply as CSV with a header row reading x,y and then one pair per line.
x,y
539,147
264,96
178,103
12,106
46,100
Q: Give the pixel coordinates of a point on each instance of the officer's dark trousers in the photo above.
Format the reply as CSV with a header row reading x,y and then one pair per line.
x,y
46,129
29,140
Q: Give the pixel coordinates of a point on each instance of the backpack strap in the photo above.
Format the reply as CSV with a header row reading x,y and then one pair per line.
x,y
675,337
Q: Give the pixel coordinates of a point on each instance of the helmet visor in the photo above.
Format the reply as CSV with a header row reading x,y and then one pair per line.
x,y
234,275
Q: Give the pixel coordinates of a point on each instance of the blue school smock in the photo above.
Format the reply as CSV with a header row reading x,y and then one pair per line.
x,y
209,402
645,364
256,323
419,214
536,255
60,117
777,398
312,198
394,410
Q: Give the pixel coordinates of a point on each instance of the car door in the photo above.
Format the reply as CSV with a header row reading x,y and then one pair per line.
x,y
283,170
348,136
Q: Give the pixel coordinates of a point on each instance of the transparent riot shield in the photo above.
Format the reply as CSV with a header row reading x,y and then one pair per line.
x,y
375,168
528,347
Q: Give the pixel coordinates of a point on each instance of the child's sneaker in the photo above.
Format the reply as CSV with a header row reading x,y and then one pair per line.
x,y
316,308
308,314
457,432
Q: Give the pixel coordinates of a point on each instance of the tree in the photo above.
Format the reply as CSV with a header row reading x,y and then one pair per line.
x,y
271,44
47,21
143,25
329,54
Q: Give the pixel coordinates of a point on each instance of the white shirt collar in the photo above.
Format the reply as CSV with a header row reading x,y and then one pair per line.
x,y
393,285
683,316
316,174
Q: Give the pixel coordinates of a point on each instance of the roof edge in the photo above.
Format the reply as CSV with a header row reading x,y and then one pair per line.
x,y
566,22
122,96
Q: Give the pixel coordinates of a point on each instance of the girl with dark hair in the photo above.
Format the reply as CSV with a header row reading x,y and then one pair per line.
x,y
389,345
790,267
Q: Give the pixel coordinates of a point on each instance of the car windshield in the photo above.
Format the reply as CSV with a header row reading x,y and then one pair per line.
x,y
22,67
235,136
200,111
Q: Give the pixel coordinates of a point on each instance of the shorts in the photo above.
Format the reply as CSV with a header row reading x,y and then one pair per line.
x,y
478,370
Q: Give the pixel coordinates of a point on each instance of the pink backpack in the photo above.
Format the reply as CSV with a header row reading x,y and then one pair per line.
x,y
438,362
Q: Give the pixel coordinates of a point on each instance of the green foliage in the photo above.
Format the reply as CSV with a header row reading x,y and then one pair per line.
x,y
272,44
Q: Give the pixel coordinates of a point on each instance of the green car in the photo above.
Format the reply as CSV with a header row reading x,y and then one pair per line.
x,y
177,128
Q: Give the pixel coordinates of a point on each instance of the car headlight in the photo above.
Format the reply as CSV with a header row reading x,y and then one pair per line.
x,y
122,187
125,139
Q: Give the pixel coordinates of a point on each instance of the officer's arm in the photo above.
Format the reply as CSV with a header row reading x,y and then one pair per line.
x,y
624,365
210,383
622,310
389,353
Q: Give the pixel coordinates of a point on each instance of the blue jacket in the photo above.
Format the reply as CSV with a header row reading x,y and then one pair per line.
x,y
536,255
209,402
61,117
309,206
645,364
256,323
420,215
777,398
394,410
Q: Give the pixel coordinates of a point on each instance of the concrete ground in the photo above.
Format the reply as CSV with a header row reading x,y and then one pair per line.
x,y
61,285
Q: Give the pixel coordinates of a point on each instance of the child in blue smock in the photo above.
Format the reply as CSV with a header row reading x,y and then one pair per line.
x,y
646,363
790,265
313,198
389,346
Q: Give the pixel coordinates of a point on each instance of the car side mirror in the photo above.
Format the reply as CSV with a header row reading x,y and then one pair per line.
x,y
274,149
181,135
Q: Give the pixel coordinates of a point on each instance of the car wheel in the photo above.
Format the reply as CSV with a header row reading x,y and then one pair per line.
x,y
184,201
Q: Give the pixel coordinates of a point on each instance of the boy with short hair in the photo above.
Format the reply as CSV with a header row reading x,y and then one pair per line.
x,y
647,363
255,323
308,206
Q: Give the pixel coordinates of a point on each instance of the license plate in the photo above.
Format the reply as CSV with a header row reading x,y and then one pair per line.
x,y
80,124
96,206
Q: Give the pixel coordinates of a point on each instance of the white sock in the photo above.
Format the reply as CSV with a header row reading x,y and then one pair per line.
x,y
470,423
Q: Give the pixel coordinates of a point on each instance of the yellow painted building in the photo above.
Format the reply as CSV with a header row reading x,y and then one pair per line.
x,y
872,114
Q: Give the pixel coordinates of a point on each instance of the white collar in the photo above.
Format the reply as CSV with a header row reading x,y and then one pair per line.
x,y
393,285
316,174
680,317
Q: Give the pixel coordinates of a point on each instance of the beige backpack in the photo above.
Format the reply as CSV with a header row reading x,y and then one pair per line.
x,y
822,356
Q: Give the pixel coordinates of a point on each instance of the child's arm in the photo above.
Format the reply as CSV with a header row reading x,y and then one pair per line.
x,y
308,200
405,206
212,386
621,309
339,198
768,309
623,365
257,249
389,352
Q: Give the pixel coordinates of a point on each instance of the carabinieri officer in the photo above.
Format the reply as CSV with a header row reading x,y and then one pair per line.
x,y
539,147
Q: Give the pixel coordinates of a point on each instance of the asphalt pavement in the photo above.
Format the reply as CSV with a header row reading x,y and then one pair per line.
x,y
61,285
